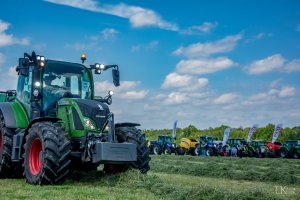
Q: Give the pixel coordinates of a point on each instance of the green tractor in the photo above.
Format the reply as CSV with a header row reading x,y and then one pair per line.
x,y
290,149
54,122
238,147
257,148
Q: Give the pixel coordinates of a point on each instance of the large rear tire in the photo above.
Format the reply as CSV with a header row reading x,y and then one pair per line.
x,y
296,155
7,167
134,135
6,142
46,156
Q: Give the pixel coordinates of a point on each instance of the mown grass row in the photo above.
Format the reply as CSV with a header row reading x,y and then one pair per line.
x,y
172,177
282,171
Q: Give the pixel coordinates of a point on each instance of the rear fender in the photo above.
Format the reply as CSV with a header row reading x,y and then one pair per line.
x,y
14,115
127,124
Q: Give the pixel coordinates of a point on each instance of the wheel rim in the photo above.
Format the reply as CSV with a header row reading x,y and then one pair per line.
x,y
0,141
283,154
35,162
155,151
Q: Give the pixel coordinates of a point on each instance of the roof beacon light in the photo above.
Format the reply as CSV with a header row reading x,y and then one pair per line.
x,y
83,57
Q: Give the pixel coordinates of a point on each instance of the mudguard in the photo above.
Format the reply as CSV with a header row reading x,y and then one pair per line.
x,y
8,114
126,124
14,115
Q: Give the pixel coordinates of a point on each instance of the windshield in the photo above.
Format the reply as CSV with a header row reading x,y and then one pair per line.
x,y
64,80
261,143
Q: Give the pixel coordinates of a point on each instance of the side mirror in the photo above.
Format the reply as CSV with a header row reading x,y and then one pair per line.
x,y
116,77
23,67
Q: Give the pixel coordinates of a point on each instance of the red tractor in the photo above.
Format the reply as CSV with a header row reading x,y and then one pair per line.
x,y
274,149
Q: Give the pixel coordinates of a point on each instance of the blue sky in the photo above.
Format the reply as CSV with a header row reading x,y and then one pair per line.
x,y
204,63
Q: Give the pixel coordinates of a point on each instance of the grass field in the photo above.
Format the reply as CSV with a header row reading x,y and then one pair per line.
x,y
176,177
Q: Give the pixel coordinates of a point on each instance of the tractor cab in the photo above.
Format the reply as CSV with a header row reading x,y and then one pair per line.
x,y
42,83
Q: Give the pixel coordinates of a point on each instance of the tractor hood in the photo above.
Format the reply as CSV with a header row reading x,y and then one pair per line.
x,y
94,110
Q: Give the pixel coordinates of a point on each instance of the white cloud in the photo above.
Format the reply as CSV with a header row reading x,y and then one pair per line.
x,y
109,33
292,66
185,83
206,27
272,63
176,80
226,44
126,90
105,86
265,65
287,91
138,16
175,98
196,85
9,39
204,65
271,95
134,95
225,98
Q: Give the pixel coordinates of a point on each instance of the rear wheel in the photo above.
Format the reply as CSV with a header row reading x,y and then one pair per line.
x,y
198,150
283,153
46,157
168,151
133,135
296,155
7,168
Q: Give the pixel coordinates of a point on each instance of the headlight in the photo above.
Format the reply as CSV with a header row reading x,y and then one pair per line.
x,y
89,123
102,66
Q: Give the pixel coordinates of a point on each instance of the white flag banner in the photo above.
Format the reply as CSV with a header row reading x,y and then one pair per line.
x,y
252,130
276,132
174,129
226,136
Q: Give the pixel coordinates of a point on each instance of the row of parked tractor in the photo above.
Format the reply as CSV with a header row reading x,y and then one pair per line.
x,y
207,146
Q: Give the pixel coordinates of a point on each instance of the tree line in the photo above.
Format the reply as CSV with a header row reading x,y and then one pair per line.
x,y
262,133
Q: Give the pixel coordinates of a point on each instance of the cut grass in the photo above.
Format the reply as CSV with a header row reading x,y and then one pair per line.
x,y
175,177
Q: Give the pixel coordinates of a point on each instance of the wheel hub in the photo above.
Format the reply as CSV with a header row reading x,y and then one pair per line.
x,y
35,156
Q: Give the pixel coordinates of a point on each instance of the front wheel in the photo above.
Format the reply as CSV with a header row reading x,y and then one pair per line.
x,y
46,157
156,150
134,135
209,152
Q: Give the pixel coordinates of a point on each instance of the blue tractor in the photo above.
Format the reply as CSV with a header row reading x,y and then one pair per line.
x,y
206,146
164,144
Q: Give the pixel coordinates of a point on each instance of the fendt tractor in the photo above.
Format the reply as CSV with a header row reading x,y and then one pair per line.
x,y
54,122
